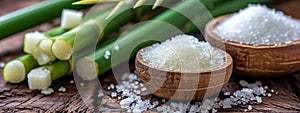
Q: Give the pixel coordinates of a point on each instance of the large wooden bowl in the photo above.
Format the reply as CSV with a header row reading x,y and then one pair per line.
x,y
257,61
187,86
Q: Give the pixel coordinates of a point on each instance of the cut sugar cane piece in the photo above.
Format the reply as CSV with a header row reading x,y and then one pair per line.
x,y
12,75
46,51
15,71
62,49
43,53
70,18
41,77
31,40
42,57
86,63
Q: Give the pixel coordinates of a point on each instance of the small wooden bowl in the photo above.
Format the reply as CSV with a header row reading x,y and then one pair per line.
x,y
257,61
187,86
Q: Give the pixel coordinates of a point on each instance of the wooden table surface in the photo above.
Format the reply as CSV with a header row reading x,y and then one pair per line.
x,y
18,98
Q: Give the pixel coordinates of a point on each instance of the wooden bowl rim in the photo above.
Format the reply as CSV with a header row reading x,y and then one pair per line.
x,y
227,64
213,23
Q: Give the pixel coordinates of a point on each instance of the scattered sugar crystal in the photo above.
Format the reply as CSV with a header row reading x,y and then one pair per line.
x,y
276,93
2,64
71,81
144,89
227,93
258,99
249,107
196,55
258,25
114,94
266,87
82,84
62,89
107,54
111,87
272,90
125,103
47,91
132,101
269,94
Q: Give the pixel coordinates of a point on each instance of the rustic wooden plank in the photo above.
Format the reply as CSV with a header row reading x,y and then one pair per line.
x,y
295,81
17,97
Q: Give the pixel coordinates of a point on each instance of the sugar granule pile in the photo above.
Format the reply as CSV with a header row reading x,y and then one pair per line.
x,y
258,25
130,92
183,53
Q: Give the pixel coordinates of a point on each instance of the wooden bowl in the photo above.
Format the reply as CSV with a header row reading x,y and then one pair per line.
x,y
187,86
257,61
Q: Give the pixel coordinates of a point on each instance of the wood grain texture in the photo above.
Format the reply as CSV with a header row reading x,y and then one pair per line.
x,y
18,98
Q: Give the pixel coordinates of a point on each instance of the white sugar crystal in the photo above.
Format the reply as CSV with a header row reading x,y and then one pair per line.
x,y
266,87
227,93
2,64
258,99
144,89
62,89
132,101
272,91
82,84
71,81
196,55
47,91
107,54
111,86
114,94
125,103
269,94
249,107
258,25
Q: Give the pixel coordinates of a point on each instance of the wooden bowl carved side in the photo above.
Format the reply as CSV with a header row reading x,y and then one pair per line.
x,y
259,61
